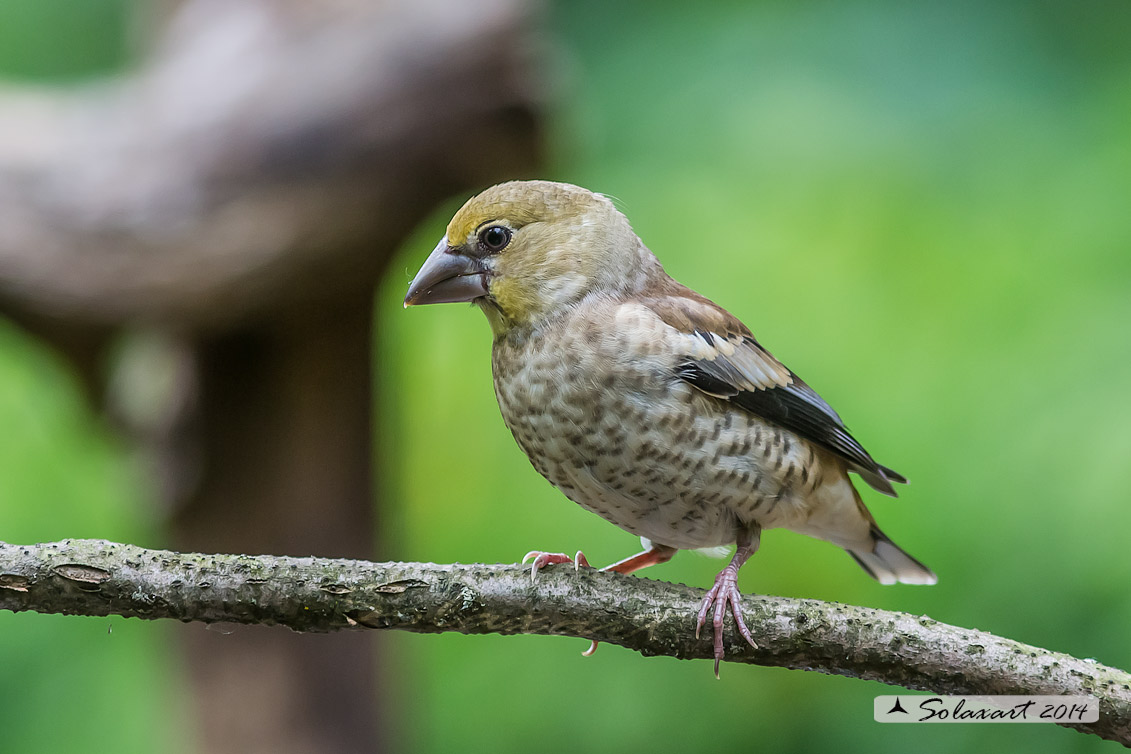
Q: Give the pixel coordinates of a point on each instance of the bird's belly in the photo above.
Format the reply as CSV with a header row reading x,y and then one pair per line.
x,y
658,458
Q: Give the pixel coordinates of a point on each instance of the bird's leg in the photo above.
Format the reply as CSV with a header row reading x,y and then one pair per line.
x,y
654,555
725,591
543,559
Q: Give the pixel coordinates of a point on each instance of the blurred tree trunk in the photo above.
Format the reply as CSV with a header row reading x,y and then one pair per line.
x,y
285,423
237,198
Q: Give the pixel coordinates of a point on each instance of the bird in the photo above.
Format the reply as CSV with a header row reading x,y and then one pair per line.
x,y
644,401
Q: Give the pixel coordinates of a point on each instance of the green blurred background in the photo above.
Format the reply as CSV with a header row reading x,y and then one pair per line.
x,y
923,209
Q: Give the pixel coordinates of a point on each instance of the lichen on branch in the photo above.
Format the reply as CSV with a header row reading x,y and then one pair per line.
x,y
94,577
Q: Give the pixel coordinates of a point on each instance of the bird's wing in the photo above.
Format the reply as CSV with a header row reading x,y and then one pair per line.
x,y
721,358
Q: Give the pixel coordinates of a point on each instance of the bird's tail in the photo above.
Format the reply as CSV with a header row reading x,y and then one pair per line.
x,y
888,564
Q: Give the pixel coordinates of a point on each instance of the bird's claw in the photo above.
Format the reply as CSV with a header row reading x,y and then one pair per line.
x,y
724,592
543,559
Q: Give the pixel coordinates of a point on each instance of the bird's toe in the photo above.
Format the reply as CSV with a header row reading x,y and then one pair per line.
x,y
722,596
542,559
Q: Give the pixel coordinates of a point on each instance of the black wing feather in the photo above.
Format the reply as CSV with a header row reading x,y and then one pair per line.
x,y
797,408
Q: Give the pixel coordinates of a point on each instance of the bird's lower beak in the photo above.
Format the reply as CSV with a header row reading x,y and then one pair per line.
x,y
446,277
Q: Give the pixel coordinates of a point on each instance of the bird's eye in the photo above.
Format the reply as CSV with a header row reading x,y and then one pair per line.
x,y
495,238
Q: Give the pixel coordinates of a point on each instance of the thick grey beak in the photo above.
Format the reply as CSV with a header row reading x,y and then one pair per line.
x,y
446,277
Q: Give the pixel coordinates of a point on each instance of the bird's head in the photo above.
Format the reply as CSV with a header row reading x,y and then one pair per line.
x,y
526,250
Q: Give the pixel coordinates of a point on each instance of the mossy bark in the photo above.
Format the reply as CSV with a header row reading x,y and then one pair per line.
x,y
91,577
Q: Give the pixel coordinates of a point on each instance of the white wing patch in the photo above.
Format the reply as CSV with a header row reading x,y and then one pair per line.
x,y
734,360
747,366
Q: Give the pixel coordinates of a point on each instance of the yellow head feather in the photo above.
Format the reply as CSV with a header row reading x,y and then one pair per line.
x,y
567,241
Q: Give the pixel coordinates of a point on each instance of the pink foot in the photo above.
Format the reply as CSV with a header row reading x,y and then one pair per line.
x,y
543,559
653,555
724,592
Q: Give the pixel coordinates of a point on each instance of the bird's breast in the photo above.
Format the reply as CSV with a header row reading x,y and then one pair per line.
x,y
617,432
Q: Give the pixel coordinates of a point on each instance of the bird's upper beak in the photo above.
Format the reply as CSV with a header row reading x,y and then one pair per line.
x,y
447,276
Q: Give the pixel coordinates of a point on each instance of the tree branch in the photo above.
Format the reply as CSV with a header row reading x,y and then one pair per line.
x,y
94,577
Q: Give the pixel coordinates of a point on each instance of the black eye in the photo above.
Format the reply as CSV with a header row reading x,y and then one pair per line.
x,y
495,238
